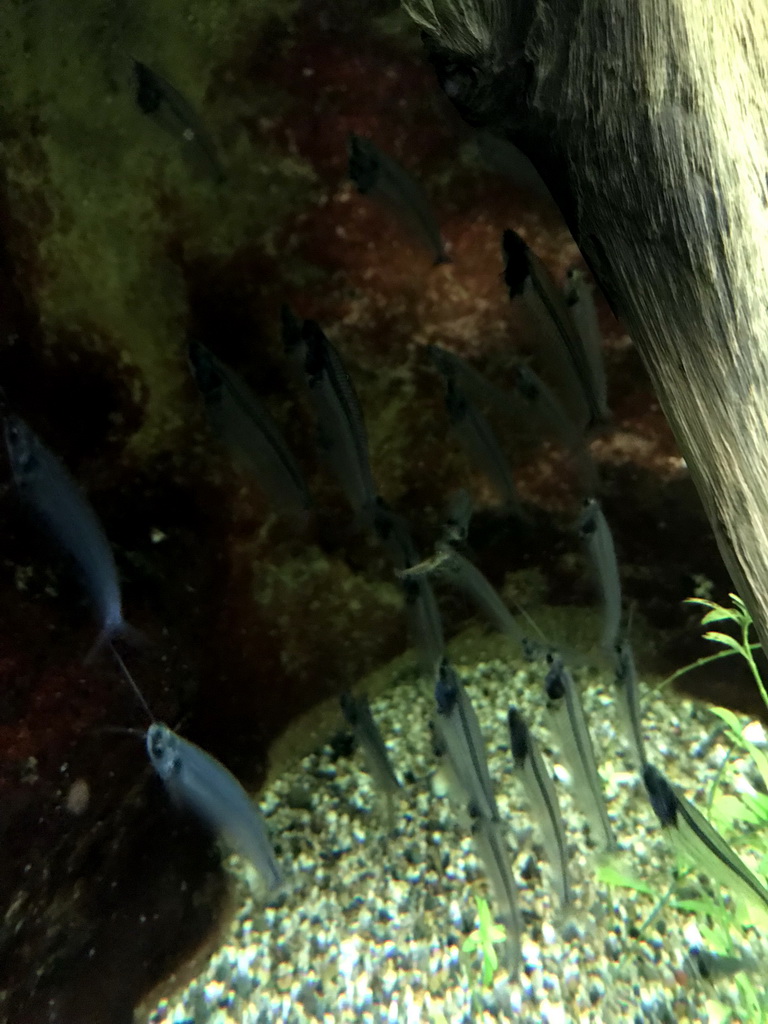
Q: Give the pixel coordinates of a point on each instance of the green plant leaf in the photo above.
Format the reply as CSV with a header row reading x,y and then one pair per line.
x,y
730,719
612,876
759,756
739,605
728,810
720,615
703,905
484,915
490,963
726,641
758,804
704,603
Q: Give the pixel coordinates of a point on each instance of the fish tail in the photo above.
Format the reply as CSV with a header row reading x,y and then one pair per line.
x,y
389,810
120,631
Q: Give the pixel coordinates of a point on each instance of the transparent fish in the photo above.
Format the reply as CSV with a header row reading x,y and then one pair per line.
x,y
481,392
425,624
197,781
594,531
357,713
383,179
482,446
690,834
569,723
451,566
540,790
625,679
341,432
530,408
492,849
544,408
581,305
458,516
158,99
45,484
245,426
459,731
561,348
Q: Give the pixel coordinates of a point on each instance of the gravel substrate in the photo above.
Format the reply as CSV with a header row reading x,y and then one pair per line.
x,y
371,924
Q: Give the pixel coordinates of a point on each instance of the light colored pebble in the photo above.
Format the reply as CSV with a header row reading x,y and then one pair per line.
x,y
373,933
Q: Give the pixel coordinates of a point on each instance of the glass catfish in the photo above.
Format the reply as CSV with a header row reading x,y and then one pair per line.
x,y
45,484
197,782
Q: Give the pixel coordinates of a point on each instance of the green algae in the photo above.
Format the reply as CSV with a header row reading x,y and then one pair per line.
x,y
104,202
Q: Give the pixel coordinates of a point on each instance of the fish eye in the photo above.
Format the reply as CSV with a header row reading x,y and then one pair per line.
x,y
158,746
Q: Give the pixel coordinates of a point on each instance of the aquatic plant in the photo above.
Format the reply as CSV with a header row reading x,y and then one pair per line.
x,y
739,811
483,940
742,644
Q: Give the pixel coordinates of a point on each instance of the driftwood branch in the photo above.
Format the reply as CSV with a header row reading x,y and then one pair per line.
x,y
649,123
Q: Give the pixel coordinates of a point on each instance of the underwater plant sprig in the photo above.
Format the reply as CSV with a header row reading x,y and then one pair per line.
x,y
719,922
738,614
484,939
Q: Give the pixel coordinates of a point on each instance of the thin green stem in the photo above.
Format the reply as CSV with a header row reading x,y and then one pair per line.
x,y
748,648
689,668
718,777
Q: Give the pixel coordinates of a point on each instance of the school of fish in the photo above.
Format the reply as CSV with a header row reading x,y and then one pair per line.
x,y
565,401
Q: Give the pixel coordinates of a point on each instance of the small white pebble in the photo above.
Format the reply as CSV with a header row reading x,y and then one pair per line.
x,y
755,733
78,797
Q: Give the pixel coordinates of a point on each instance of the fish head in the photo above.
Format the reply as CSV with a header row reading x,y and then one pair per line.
x,y
458,515
587,523
525,383
475,816
349,708
163,748
661,795
315,353
291,327
383,519
446,688
149,91
517,267
436,740
531,648
441,360
574,281
554,681
695,965
621,653
364,163
456,402
203,366
411,590
21,444
518,736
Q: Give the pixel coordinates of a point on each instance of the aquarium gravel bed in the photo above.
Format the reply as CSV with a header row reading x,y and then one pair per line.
x,y
371,925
